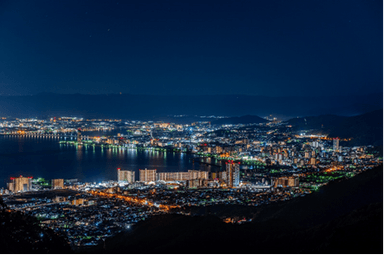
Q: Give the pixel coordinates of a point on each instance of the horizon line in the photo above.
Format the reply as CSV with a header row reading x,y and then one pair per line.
x,y
187,95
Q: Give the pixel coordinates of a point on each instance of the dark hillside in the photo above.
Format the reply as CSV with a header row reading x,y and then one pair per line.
x,y
364,129
331,201
20,233
322,122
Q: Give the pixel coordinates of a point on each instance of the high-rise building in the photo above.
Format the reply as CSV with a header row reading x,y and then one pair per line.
x,y
79,135
183,176
336,144
10,186
313,161
285,181
196,183
293,181
147,175
215,175
57,183
196,174
232,174
20,184
173,176
125,175
78,201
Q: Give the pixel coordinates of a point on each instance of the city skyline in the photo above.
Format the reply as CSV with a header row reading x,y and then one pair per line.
x,y
112,177
192,127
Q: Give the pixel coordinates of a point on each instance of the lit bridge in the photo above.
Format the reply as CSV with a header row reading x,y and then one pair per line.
x,y
39,135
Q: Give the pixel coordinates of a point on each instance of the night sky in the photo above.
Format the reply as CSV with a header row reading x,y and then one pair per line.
x,y
272,48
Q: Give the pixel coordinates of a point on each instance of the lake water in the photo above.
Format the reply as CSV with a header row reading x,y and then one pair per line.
x,y
47,158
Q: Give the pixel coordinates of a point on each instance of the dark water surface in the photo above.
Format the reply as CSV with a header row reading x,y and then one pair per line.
x,y
45,157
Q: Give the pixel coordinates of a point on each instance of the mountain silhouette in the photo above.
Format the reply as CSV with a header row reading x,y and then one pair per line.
x,y
364,129
141,107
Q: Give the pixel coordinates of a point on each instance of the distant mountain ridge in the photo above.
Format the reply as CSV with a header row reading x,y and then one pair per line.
x,y
127,106
317,122
365,129
247,119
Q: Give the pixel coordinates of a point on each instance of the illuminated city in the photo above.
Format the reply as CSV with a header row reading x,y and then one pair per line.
x,y
191,127
254,164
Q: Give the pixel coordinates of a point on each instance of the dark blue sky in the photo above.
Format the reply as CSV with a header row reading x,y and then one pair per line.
x,y
309,47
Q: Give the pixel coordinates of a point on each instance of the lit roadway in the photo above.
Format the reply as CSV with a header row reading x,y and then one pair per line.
x,y
140,201
335,168
37,205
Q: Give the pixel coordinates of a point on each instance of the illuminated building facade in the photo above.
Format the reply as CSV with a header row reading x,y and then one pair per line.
x,y
20,184
173,176
286,181
214,175
232,174
79,135
77,201
336,144
125,175
195,183
196,174
183,176
57,183
147,175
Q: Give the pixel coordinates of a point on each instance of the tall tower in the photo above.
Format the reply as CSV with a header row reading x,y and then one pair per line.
x,y
336,144
236,175
79,135
232,174
20,184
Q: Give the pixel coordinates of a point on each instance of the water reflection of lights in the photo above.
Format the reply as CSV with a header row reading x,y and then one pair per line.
x,y
79,153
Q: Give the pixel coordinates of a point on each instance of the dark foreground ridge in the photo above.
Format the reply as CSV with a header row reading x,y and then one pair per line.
x,y
20,233
343,217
